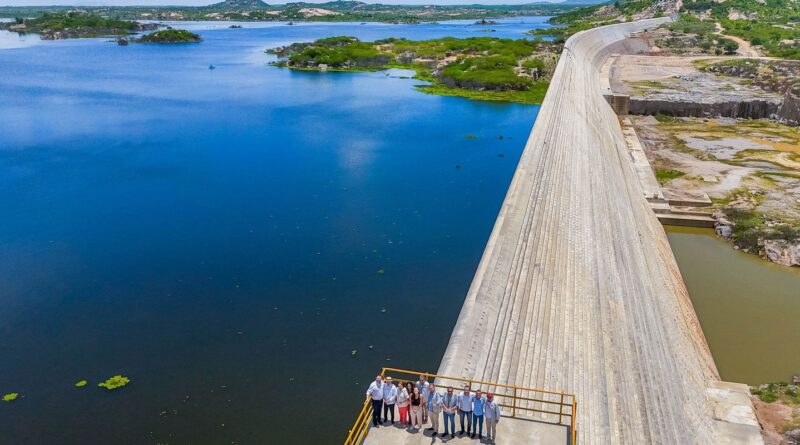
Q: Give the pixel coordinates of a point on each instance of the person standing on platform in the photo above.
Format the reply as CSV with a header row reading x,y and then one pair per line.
x,y
389,399
402,403
375,392
416,409
422,385
492,413
465,409
477,414
449,407
434,405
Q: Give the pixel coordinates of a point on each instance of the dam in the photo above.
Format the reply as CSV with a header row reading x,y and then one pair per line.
x,y
578,290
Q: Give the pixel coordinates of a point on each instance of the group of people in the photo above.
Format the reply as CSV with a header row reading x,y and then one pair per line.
x,y
418,402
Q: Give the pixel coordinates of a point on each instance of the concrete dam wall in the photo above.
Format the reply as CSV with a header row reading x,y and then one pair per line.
x,y
578,289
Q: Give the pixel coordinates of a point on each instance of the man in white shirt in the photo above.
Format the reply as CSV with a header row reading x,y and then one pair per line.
x,y
389,399
465,409
375,392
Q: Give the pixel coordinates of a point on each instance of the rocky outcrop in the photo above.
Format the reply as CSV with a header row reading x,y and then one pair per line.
x,y
789,112
781,252
681,105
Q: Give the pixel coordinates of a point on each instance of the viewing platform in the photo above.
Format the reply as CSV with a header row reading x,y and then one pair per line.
x,y
529,416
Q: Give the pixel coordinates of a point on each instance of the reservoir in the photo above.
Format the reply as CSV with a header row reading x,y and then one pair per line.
x,y
747,306
249,244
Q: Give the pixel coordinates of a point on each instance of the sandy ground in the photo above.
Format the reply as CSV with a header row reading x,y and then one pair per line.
x,y
677,77
661,153
771,416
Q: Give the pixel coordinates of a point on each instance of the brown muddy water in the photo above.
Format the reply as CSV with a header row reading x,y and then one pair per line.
x,y
748,307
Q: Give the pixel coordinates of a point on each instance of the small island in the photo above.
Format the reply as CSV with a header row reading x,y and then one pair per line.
x,y
170,36
479,68
73,25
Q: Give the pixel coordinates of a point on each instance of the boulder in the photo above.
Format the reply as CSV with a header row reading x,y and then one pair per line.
x,y
722,225
789,112
782,252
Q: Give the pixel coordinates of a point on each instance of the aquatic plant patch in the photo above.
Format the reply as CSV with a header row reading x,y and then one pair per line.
x,y
115,382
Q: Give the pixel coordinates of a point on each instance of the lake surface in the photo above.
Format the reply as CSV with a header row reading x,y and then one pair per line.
x,y
748,307
227,237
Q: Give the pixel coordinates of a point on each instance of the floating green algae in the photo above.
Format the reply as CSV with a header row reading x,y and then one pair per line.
x,y
115,382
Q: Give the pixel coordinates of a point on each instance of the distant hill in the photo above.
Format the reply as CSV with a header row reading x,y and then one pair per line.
x,y
339,5
583,2
239,4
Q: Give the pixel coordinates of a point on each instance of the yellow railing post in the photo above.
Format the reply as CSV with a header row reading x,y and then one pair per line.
x,y
572,422
561,409
514,403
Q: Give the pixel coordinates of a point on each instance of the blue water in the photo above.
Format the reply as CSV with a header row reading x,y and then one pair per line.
x,y
217,235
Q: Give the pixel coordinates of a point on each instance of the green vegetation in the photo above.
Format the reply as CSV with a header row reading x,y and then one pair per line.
x,y
478,67
771,392
75,24
74,20
171,36
10,397
776,41
689,24
751,226
691,35
338,53
771,24
81,384
664,176
115,382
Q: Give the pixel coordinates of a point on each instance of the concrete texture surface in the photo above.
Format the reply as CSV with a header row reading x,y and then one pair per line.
x,y
509,432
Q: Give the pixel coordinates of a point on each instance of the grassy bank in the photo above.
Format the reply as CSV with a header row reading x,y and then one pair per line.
x,y
477,68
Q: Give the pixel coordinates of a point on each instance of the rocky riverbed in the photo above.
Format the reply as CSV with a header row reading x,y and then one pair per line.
x,y
749,168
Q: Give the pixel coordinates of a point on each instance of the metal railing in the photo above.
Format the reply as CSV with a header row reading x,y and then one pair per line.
x,y
536,404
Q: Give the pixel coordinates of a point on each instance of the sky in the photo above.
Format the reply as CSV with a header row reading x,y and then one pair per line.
x,y
208,2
